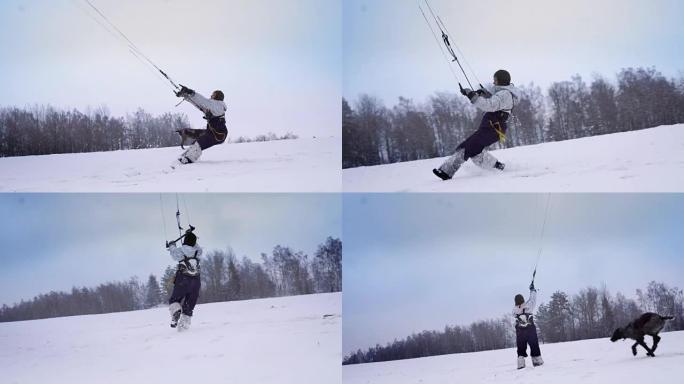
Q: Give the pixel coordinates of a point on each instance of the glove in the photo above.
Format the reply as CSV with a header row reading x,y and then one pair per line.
x,y
467,92
532,286
185,91
483,92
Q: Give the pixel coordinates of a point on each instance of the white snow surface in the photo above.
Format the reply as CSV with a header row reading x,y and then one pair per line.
x,y
649,160
301,165
588,361
281,340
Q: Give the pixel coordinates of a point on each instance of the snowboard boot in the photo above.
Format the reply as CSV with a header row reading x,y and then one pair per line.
x,y
441,174
174,319
521,362
184,322
537,361
500,166
175,310
191,155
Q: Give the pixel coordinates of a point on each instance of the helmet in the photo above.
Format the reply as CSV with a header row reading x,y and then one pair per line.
x,y
217,95
190,239
502,77
519,299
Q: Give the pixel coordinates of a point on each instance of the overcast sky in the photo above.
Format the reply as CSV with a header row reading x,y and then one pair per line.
x,y
277,61
56,241
416,262
390,52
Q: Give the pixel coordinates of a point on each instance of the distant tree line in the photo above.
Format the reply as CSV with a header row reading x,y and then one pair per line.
x,y
592,313
284,272
479,336
374,134
267,137
43,130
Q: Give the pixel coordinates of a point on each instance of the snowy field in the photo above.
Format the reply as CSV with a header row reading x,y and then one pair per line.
x,y
302,165
282,340
650,160
589,361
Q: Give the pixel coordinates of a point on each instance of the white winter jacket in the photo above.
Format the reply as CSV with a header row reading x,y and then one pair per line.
x,y
526,308
187,257
503,98
184,251
207,106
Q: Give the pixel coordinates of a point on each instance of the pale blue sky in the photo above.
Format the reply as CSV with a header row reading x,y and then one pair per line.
x,y
56,241
277,61
390,52
420,261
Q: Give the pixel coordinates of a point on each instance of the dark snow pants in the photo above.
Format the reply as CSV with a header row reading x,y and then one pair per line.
x,y
186,292
485,135
493,125
525,336
216,133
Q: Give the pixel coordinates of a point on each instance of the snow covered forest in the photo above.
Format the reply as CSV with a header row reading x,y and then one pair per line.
x,y
591,313
44,130
373,134
284,272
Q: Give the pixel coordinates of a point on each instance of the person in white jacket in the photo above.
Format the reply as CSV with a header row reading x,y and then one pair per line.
x,y
525,330
187,283
214,110
497,103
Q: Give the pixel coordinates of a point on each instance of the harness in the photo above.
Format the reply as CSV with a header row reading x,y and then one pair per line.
x,y
502,118
496,125
524,320
214,123
188,267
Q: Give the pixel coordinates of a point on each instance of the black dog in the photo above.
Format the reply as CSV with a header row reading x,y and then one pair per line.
x,y
647,324
189,133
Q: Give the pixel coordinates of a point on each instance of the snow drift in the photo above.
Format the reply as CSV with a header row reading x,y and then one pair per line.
x,y
283,340
649,160
588,361
302,165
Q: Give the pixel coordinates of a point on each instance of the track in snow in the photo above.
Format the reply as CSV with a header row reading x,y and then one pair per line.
x,y
302,165
649,160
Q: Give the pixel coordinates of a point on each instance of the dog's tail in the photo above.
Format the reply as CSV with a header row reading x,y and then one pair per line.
x,y
666,317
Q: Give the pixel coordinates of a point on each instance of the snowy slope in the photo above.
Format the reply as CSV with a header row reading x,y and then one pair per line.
x,y
650,160
282,340
589,361
302,165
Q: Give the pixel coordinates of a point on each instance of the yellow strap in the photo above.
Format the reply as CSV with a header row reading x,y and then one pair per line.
x,y
502,135
499,131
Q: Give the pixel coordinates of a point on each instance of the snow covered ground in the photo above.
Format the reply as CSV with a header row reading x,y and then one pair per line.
x,y
281,340
302,165
589,361
650,160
